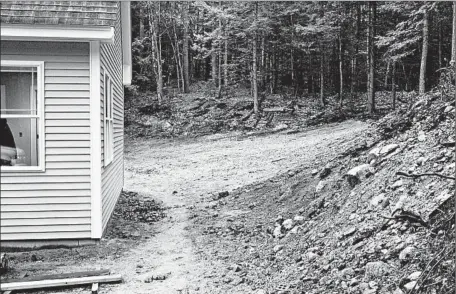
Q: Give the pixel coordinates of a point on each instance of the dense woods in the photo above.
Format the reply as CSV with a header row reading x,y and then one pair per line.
x,y
306,49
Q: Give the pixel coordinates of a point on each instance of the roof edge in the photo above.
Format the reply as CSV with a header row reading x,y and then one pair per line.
x,y
22,32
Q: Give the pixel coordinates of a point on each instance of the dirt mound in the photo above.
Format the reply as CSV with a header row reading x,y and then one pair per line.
x,y
374,219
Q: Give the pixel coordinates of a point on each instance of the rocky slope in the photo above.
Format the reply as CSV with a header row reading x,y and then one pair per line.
x,y
377,218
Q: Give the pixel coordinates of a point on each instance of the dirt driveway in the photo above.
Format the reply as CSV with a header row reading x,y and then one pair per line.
x,y
187,173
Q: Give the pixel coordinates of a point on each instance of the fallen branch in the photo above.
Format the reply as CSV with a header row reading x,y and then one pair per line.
x,y
448,144
422,280
407,215
399,173
275,109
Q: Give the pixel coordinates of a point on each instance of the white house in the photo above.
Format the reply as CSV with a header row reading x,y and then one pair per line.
x,y
63,68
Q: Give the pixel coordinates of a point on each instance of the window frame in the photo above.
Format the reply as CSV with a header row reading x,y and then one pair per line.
x,y
39,115
108,123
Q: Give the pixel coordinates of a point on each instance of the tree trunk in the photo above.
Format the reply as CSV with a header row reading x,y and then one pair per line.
x,y
322,78
291,53
371,58
180,69
214,64
254,68
424,53
440,43
141,23
393,84
156,48
225,61
406,78
159,61
185,47
453,37
358,32
219,57
385,85
341,65
341,72
354,73
263,65
310,77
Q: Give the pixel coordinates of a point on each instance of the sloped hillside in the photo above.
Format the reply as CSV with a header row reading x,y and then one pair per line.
x,y
377,218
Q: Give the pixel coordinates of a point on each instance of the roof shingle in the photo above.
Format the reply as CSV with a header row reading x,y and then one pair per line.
x,y
89,13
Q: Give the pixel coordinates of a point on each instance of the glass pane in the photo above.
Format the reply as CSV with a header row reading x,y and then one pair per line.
x,y
19,141
18,90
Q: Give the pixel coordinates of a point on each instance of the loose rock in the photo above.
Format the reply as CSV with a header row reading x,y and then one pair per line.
x,y
409,286
359,173
288,224
414,276
407,253
320,186
377,269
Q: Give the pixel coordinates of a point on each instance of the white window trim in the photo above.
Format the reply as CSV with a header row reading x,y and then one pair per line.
x,y
108,119
40,115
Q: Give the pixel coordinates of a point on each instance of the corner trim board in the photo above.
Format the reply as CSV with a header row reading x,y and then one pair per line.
x,y
95,138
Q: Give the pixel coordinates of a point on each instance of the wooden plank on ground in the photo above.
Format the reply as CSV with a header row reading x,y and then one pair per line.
x,y
101,272
59,282
275,109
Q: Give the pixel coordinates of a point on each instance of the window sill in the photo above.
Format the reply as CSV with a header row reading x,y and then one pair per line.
x,y
21,170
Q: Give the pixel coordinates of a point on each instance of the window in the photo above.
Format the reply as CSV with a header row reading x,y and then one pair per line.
x,y
108,123
21,115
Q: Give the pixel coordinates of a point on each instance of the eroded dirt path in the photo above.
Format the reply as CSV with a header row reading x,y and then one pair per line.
x,y
186,173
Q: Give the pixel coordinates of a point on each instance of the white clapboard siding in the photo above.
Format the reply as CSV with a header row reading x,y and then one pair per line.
x,y
56,203
65,94
49,228
67,122
67,102
65,73
112,175
47,179
37,186
45,214
64,115
44,234
66,144
44,207
67,108
38,200
17,222
45,193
